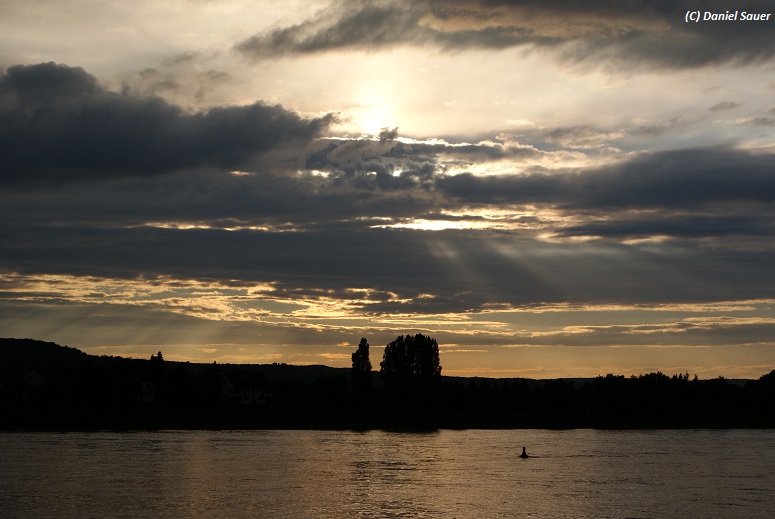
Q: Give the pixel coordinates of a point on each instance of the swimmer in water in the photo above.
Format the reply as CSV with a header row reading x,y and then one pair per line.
x,y
524,453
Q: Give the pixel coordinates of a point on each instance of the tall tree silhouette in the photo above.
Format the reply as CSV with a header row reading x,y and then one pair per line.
x,y
157,376
361,373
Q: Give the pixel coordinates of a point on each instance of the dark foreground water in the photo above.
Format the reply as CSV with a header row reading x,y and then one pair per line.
x,y
578,473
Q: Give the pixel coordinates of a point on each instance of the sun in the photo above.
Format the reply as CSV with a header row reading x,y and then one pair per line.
x,y
372,118
374,108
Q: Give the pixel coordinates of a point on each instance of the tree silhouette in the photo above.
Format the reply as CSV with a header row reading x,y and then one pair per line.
x,y
156,374
411,371
361,373
360,357
411,359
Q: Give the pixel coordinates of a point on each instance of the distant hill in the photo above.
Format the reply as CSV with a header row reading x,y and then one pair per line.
x,y
27,354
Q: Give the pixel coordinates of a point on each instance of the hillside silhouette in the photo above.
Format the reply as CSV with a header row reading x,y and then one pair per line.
x,y
46,386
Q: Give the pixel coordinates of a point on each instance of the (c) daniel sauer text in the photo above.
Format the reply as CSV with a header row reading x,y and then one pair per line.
x,y
726,16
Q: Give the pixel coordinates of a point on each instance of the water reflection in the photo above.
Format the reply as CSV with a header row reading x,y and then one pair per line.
x,y
582,473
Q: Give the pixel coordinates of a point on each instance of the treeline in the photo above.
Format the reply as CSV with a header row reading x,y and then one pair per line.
x,y
654,400
44,386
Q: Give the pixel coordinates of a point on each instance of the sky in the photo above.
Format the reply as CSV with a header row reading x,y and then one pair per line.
x,y
550,188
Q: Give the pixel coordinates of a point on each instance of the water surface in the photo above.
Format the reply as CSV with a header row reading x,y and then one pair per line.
x,y
473,473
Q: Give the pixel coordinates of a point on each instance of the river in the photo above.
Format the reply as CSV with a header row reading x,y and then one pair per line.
x,y
470,473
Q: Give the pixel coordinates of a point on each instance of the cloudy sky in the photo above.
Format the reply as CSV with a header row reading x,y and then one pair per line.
x,y
548,188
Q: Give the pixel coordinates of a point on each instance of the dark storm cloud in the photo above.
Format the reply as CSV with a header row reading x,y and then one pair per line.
x,y
676,226
580,136
656,130
180,76
765,122
625,33
369,24
393,164
428,272
388,134
674,179
370,182
60,126
362,169
278,201
724,106
329,248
